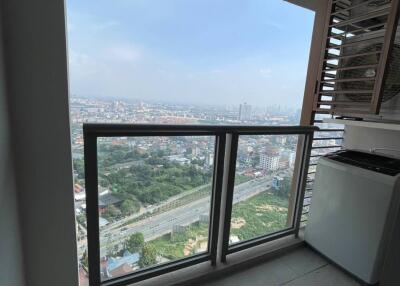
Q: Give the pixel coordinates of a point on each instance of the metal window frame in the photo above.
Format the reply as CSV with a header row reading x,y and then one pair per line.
x,y
92,131
305,142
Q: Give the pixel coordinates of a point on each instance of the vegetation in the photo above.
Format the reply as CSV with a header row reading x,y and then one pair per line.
x,y
173,246
79,167
135,242
137,179
115,154
81,218
240,179
129,207
85,259
262,214
111,212
149,256
285,188
168,248
153,180
145,178
255,160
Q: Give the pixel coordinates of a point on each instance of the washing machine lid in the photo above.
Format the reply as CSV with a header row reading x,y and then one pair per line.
x,y
378,163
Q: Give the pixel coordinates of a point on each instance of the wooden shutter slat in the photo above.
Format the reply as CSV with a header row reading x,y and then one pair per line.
x,y
351,68
344,103
324,92
352,7
371,15
334,57
349,79
368,28
345,2
335,46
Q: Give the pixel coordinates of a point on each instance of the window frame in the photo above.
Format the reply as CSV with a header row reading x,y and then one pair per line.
x,y
91,133
304,146
225,136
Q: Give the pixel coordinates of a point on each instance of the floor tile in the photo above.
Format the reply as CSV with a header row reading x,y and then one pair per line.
x,y
302,267
260,275
303,261
327,275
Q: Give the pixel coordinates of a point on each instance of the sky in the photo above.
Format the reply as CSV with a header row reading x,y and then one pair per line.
x,y
189,51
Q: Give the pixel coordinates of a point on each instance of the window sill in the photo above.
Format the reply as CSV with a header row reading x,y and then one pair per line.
x,y
235,262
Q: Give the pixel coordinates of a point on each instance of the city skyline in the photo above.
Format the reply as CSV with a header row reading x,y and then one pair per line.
x,y
227,106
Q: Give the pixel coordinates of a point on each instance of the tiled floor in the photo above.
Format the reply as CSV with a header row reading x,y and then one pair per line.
x,y
302,267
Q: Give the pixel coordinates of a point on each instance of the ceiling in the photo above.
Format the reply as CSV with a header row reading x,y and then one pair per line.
x,y
310,4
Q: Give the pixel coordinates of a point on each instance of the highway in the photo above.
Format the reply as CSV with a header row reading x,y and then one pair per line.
x,y
119,223
160,224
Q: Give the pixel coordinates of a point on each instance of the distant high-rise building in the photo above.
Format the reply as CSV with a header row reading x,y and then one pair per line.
x,y
269,160
244,112
280,139
195,151
290,156
209,159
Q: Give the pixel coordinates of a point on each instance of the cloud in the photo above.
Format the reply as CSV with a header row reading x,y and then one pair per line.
x,y
82,65
275,25
265,72
124,53
217,72
83,23
101,26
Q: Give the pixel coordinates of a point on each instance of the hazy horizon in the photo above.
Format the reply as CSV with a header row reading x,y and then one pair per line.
x,y
185,103
193,52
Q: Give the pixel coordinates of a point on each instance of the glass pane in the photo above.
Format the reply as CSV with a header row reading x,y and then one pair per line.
x,y
263,185
154,200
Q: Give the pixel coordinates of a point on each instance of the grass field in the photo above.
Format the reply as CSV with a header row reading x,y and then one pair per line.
x,y
240,179
174,246
262,214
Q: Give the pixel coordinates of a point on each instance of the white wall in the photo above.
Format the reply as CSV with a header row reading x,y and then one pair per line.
x,y
37,89
11,270
365,138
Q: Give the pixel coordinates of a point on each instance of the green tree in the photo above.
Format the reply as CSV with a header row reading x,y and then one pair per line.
x,y
255,160
79,167
85,259
129,207
135,242
148,256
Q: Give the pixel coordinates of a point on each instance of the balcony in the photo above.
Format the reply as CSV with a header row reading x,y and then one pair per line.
x,y
206,192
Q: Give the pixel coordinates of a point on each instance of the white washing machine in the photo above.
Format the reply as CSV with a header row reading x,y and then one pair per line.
x,y
354,203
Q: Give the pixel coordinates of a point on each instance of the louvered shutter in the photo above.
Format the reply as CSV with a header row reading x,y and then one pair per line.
x,y
354,64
